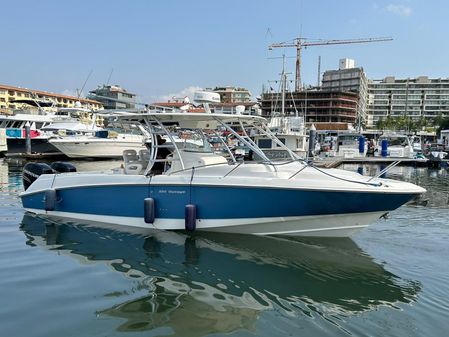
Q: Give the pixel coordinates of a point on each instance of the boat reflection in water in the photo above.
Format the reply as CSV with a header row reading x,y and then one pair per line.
x,y
219,283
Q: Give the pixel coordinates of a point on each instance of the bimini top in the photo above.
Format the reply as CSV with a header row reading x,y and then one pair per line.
x,y
189,120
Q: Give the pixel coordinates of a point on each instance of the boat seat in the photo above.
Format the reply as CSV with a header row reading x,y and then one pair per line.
x,y
134,163
130,155
135,167
144,155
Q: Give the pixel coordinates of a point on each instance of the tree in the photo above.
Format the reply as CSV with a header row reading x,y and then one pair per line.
x,y
443,124
380,124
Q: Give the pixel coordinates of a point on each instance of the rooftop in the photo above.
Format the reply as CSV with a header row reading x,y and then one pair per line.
x,y
46,93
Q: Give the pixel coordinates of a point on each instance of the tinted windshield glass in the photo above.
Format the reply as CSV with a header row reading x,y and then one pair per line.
x,y
394,141
194,141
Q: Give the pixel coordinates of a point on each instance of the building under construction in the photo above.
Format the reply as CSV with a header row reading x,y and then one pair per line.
x,y
328,110
334,107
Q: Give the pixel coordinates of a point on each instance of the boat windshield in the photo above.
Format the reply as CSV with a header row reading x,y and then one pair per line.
x,y
194,141
396,141
348,139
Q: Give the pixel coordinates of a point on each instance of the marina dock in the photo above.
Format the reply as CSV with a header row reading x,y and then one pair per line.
x,y
334,162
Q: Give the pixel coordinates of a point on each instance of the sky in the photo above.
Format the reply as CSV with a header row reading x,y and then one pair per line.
x,y
164,48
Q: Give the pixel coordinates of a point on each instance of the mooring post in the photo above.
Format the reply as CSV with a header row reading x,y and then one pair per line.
x,y
312,140
28,138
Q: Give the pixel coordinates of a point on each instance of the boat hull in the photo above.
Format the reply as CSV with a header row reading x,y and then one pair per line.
x,y
236,209
341,225
38,145
96,148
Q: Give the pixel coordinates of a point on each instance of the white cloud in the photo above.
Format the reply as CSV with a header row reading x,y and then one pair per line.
x,y
189,92
69,92
399,10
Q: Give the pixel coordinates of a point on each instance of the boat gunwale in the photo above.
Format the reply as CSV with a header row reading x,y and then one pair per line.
x,y
194,184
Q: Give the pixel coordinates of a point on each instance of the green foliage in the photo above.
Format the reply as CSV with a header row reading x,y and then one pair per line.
x,y
406,123
443,124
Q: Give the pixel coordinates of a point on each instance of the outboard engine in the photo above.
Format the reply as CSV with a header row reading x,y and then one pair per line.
x,y
61,167
32,171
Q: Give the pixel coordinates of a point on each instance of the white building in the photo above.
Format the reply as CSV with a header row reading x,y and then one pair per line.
x,y
420,97
233,94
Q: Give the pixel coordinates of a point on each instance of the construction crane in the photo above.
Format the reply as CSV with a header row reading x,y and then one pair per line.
x,y
300,42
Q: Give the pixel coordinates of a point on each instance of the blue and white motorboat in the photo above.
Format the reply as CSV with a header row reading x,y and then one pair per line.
x,y
195,188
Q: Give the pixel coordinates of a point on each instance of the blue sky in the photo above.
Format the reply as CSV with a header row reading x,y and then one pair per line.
x,y
163,48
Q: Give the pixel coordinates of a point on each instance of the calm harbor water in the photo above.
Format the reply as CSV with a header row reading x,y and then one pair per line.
x,y
70,279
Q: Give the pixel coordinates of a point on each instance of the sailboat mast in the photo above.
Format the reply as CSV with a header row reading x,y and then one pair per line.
x,y
283,81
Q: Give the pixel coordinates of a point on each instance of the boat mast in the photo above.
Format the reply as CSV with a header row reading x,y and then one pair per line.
x,y
283,83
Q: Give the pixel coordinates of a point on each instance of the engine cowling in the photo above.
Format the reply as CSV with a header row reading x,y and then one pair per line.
x,y
62,167
32,171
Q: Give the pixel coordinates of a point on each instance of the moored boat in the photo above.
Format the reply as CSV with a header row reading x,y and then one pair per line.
x,y
395,145
351,145
102,144
195,188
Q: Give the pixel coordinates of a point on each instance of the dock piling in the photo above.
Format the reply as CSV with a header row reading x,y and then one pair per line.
x,y
28,138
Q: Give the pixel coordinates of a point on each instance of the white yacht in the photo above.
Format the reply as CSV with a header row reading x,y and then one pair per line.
x,y
193,188
351,145
416,144
100,144
42,125
33,112
395,145
289,130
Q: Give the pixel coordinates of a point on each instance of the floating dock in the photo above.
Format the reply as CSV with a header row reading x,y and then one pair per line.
x,y
333,162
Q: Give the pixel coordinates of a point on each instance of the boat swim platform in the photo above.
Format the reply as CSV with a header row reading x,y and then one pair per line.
x,y
334,162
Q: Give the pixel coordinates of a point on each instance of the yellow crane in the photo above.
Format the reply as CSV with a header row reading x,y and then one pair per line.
x,y
300,42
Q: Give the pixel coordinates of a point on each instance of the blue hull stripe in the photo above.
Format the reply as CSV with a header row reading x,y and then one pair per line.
x,y
215,202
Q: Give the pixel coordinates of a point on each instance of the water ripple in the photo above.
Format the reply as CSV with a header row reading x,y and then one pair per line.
x,y
392,279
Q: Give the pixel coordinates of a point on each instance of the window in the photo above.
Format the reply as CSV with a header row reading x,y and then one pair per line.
x,y
264,143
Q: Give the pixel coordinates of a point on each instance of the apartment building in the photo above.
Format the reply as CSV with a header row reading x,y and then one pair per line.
x,y
233,94
113,97
420,97
15,98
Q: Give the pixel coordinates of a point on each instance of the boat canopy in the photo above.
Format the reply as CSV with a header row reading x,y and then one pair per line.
x,y
156,123
190,120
